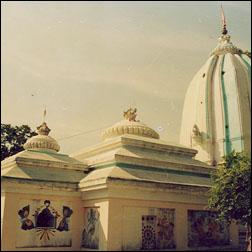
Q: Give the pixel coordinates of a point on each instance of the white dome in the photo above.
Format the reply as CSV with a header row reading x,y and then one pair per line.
x,y
130,126
216,116
42,141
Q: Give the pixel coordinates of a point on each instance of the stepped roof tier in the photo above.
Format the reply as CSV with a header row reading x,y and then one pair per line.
x,y
40,162
134,158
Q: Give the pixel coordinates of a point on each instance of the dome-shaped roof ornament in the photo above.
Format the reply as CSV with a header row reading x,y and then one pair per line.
x,y
42,141
130,126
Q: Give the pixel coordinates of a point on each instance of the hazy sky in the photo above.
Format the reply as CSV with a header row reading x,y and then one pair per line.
x,y
87,62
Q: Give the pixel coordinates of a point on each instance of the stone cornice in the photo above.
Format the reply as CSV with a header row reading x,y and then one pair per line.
x,y
131,189
106,182
98,148
9,183
52,164
29,162
179,166
156,185
130,140
158,146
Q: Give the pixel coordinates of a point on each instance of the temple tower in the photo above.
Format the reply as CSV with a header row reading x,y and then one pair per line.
x,y
217,109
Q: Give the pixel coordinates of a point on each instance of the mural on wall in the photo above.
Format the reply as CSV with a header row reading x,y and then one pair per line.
x,y
64,223
44,224
26,223
165,228
205,231
148,232
158,229
90,234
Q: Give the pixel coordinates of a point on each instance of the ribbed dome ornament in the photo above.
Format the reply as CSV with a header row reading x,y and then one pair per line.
x,y
130,126
42,141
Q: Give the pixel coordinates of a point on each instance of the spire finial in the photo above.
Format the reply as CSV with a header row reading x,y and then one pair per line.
x,y
223,21
44,115
43,128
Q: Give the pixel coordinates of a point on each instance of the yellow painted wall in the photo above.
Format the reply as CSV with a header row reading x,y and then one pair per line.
x,y
12,223
125,223
120,221
103,206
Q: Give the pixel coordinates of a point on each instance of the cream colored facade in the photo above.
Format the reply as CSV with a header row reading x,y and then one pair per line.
x,y
132,191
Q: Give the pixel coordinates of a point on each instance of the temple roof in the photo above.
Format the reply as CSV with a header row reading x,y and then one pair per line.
x,y
41,162
142,159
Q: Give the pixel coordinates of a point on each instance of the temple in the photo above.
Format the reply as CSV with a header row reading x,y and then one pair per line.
x,y
217,108
133,191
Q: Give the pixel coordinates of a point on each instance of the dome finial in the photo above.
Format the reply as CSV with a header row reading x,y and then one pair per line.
x,y
130,114
223,21
43,128
42,141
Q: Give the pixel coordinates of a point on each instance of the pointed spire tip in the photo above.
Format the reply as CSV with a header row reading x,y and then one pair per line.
x,y
223,21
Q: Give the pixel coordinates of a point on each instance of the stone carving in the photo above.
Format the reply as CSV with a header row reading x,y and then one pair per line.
x,y
205,231
196,131
90,234
130,114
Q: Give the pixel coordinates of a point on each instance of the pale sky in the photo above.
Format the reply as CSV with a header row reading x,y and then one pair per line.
x,y
87,62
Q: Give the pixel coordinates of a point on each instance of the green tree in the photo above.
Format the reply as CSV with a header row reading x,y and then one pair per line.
x,y
13,138
230,194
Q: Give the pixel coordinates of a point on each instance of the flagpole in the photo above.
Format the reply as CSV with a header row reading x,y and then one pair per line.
x,y
44,114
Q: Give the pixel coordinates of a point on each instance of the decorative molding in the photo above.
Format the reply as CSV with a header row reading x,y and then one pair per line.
x,y
27,162
226,46
130,127
39,187
42,140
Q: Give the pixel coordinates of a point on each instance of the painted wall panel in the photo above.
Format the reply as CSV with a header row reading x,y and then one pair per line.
x,y
44,223
90,234
205,231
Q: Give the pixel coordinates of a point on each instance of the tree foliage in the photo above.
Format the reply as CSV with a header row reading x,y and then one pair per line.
x,y
13,138
231,191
